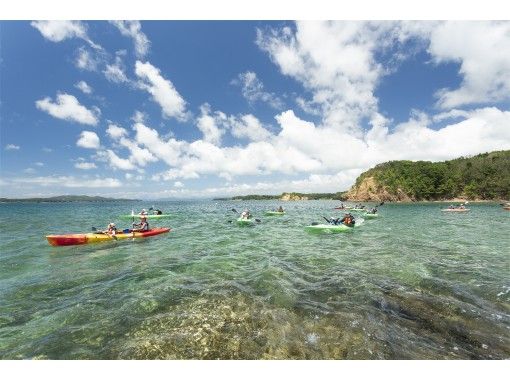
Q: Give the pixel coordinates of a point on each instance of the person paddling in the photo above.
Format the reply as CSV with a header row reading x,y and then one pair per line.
x,y
111,229
280,209
348,220
142,226
245,214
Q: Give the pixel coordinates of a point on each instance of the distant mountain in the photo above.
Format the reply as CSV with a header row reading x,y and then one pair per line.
x,y
285,197
482,177
67,198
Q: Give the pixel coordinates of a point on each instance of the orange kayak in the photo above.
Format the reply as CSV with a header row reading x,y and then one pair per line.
x,y
88,238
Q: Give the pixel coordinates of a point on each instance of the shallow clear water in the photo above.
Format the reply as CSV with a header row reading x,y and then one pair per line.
x,y
413,284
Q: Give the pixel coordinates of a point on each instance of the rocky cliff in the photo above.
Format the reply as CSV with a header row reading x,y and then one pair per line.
x,y
293,197
485,176
369,190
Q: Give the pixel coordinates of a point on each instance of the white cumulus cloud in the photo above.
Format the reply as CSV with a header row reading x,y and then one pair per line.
x,y
335,62
115,132
139,117
83,87
249,127
482,48
211,126
169,150
85,165
85,60
67,107
133,29
138,155
162,90
89,140
114,161
11,147
253,90
59,30
115,72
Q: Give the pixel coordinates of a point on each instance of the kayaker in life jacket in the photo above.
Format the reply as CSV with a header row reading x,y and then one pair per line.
x,y
142,226
158,212
348,220
143,212
280,209
373,211
245,214
111,229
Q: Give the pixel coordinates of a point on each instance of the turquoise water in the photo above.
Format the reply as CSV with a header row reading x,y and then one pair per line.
x,y
413,284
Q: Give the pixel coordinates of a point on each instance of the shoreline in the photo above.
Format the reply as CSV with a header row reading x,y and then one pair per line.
x,y
456,200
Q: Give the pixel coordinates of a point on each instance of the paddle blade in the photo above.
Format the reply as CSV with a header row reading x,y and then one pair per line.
x,y
234,210
94,229
126,231
258,220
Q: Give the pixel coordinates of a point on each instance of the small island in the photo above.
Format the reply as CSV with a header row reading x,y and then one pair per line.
x,y
287,197
65,198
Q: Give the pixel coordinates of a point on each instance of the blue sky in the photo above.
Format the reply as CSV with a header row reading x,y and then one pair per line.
x,y
180,109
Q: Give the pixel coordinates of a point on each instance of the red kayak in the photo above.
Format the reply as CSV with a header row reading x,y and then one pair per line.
x,y
93,237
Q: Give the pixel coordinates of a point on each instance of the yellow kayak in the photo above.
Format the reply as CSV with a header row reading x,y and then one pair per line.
x,y
78,239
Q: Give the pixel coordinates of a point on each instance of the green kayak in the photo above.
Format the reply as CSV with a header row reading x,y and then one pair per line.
x,y
358,209
330,228
137,216
273,213
370,216
245,222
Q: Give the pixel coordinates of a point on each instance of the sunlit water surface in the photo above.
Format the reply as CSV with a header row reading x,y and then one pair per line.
x,y
415,283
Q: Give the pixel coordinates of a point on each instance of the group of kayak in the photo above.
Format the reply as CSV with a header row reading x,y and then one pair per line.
x,y
460,208
347,222
142,229
111,233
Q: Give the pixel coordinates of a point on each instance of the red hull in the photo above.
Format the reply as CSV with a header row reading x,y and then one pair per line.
x,y
79,239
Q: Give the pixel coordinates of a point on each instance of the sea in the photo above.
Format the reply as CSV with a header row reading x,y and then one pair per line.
x,y
414,283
